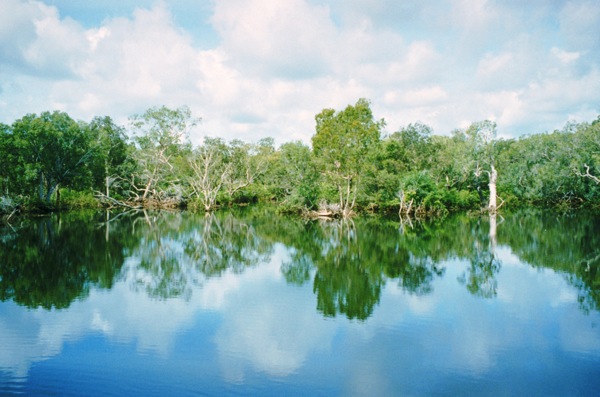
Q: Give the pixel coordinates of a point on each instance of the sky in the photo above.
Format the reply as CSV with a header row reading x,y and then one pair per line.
x,y
252,69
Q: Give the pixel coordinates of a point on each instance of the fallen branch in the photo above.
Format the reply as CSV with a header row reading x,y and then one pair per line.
x,y
118,203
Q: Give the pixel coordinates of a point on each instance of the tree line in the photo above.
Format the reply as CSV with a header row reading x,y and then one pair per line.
x,y
52,161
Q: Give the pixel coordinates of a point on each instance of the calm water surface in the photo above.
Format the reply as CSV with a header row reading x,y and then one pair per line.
x,y
250,303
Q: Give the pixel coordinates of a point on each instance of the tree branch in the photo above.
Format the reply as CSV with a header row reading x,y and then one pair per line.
x,y
587,174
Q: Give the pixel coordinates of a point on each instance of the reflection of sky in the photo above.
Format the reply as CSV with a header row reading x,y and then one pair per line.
x,y
255,332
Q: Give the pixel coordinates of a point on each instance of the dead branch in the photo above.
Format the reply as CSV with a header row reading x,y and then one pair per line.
x,y
587,174
118,203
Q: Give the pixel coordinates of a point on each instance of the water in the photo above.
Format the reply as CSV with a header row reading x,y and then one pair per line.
x,y
250,303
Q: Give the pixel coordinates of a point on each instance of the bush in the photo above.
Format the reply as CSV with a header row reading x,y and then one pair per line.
x,y
71,199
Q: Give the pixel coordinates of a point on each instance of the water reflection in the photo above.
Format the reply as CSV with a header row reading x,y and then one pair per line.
x,y
50,262
268,297
568,244
484,265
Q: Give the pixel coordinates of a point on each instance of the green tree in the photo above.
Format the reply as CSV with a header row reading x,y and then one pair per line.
x,y
53,150
587,144
404,154
299,176
7,153
247,162
162,138
341,146
111,151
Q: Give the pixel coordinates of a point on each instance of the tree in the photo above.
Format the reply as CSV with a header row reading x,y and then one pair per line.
x,y
246,163
481,136
162,138
220,167
299,178
7,153
404,154
109,143
341,144
587,141
210,169
53,150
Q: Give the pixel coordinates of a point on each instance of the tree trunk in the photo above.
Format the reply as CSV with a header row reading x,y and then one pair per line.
x,y
49,192
106,178
493,195
41,190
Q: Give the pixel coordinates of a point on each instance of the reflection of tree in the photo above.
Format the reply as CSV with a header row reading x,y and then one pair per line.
x,y
298,270
480,277
586,279
161,272
418,256
351,262
52,261
415,274
227,242
346,280
178,250
568,244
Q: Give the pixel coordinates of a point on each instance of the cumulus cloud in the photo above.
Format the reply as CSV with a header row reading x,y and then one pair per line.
x,y
266,68
34,39
285,39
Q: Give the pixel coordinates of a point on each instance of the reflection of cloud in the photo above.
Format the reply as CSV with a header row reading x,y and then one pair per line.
x,y
369,379
20,345
458,333
268,327
120,314
273,334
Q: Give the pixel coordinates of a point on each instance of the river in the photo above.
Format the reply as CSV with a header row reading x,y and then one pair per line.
x,y
248,302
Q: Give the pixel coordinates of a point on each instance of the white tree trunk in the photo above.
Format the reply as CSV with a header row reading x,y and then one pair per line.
x,y
493,195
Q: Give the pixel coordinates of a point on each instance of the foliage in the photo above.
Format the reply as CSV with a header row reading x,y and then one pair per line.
x,y
53,151
111,154
341,147
352,165
162,139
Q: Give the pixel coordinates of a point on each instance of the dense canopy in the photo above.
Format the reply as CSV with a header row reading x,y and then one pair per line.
x,y
353,166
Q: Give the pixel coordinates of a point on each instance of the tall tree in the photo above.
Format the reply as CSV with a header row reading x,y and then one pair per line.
x,y
53,149
341,144
299,178
588,150
7,153
110,151
481,136
210,168
162,138
247,163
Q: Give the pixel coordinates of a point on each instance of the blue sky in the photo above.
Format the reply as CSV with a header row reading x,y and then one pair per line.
x,y
261,68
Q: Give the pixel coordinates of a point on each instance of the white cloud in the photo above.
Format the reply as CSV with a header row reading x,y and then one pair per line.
x,y
268,67
565,56
284,39
34,39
